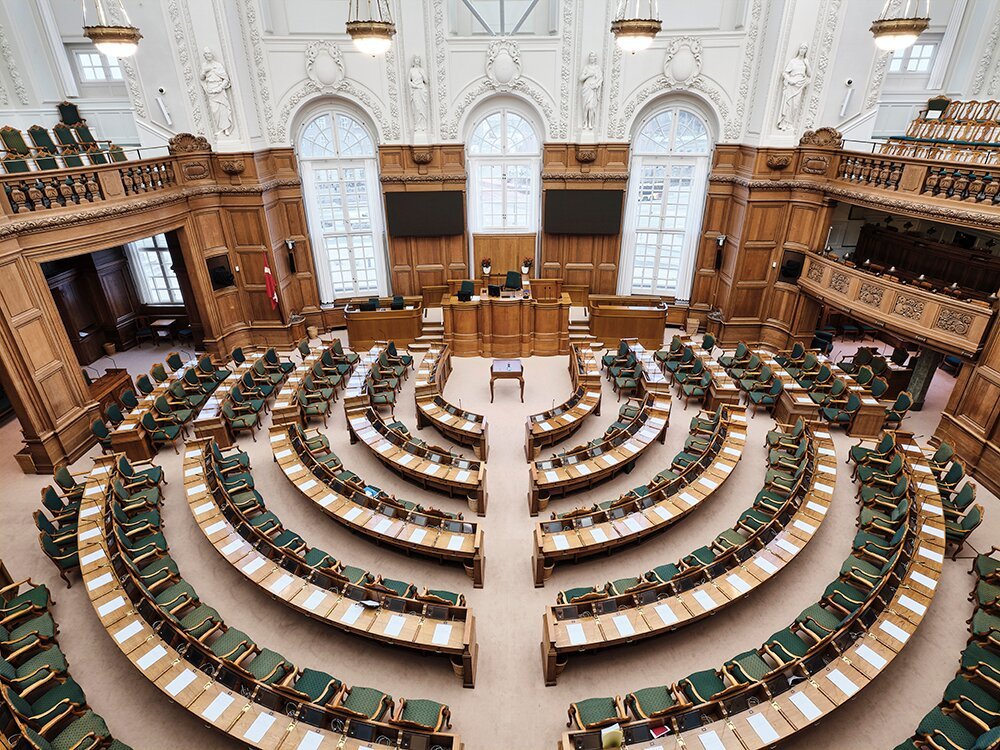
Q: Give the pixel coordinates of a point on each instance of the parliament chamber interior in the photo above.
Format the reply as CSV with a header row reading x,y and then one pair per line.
x,y
466,374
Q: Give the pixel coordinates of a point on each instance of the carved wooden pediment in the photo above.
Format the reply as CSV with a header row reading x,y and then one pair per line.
x,y
188,143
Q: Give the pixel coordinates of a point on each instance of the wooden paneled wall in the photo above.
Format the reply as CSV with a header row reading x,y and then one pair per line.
x,y
761,218
418,262
590,261
506,251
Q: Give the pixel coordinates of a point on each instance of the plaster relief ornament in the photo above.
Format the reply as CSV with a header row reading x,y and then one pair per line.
x,y
794,80
419,95
682,65
325,65
591,82
503,64
218,88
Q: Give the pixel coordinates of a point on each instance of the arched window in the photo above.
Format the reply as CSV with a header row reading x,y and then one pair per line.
x,y
670,162
504,154
340,179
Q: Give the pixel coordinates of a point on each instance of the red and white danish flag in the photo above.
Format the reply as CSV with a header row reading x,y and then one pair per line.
x,y
271,284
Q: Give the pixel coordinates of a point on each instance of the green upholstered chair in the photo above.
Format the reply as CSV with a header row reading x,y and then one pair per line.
x,y
311,408
159,373
365,702
241,422
61,509
144,385
895,414
103,435
422,715
956,532
46,145
651,702
594,713
702,687
314,686
149,476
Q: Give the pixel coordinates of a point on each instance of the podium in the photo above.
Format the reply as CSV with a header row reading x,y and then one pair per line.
x,y
511,326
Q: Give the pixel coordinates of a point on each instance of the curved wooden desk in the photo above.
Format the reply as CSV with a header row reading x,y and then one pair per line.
x,y
559,423
365,328
123,612
506,328
603,531
855,654
356,609
426,465
456,424
414,532
585,466
696,592
613,318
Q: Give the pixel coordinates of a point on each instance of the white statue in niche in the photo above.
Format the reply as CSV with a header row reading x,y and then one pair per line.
x,y
418,95
794,80
591,81
215,80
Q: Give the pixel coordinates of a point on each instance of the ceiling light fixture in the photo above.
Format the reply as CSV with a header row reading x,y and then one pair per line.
x,y
636,24
894,32
111,39
372,30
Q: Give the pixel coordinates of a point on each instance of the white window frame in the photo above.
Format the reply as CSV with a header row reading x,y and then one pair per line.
x,y
309,167
505,160
904,56
701,163
109,65
142,260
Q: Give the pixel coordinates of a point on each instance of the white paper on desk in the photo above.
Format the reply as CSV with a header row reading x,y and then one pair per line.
x,y
826,469
395,626
405,459
101,580
194,471
431,469
623,625
551,476
806,707
814,506
629,448
894,630
353,513
560,542
418,535
278,438
383,526
203,508
314,600
232,547
766,565
574,631
583,469
763,728
710,741
823,488
544,426
463,476
738,583
787,546
253,566
826,452
708,483
598,535
383,447
689,498
327,500
108,607
569,417
609,459
927,487
280,585
218,706
151,657
931,554
803,526
215,528
923,580
724,468
633,525
442,634
95,490
92,557
180,682
311,741
732,451
665,614
352,614
931,509
662,512
308,485
932,531
259,728
841,680
89,534
704,599
455,542
870,656
128,631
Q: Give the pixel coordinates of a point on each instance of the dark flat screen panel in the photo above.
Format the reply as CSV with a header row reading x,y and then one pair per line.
x,y
428,214
583,211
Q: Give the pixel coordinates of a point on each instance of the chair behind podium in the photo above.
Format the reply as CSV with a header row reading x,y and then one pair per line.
x,y
465,291
513,281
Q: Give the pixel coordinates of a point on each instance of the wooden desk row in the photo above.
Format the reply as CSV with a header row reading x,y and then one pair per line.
x,y
426,465
210,422
558,423
603,531
585,466
181,681
356,390
130,437
456,424
830,683
723,391
653,382
413,532
393,620
700,592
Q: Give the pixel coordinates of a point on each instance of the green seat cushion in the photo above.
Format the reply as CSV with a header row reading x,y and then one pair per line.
x,y
700,557
844,595
937,724
987,567
651,702
819,621
70,737
200,620
269,666
423,713
232,644
319,687
701,687
622,585
597,712
571,595
730,538
787,645
367,702
448,597
399,588
973,699
748,667
663,573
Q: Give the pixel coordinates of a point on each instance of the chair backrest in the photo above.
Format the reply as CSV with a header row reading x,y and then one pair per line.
x,y
238,356
838,387
467,287
271,357
64,479
161,405
954,474
191,377
69,113
397,303
776,388
899,356
13,141
149,423
697,368
879,387
338,347
144,385
972,519
943,454
158,372
236,395
886,444
100,430
903,402
853,403
513,280
879,365
864,376
766,373
863,356
741,350
824,374
809,362
708,342
174,361
128,398
114,414
797,350
227,411
304,349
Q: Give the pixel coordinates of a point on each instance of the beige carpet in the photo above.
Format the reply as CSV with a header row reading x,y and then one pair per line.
x,y
510,707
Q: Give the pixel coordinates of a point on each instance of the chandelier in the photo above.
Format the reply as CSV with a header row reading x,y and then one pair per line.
x,y
899,32
372,30
636,24
111,39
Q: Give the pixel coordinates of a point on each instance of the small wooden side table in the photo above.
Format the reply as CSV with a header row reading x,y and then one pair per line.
x,y
506,369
